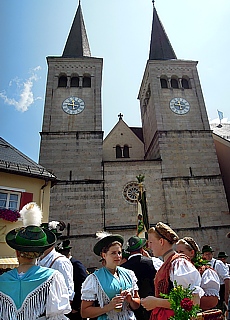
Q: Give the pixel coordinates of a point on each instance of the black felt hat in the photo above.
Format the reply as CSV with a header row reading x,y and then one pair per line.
x,y
55,226
207,248
105,241
135,243
64,245
30,239
222,254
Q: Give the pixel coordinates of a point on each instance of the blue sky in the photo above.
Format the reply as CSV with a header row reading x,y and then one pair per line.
x,y
119,32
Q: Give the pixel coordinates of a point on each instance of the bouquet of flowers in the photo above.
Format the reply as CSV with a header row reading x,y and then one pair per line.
x,y
181,303
9,215
198,261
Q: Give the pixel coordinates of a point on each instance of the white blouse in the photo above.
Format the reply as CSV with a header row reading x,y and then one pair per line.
x,y
210,283
185,274
89,286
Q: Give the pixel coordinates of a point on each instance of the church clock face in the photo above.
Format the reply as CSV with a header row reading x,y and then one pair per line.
x,y
179,105
73,105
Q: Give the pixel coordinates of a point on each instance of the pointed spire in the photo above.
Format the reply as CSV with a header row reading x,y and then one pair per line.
x,y
77,44
160,46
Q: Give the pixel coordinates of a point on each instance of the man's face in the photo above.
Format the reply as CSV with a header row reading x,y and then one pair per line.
x,y
208,256
224,260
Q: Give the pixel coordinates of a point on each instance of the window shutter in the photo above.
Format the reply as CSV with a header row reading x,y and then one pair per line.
x,y
25,198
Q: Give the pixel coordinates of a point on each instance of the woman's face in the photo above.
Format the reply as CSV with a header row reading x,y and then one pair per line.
x,y
181,248
113,256
154,244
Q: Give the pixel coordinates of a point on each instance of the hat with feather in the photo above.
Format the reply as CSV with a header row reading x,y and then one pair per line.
x,y
106,239
55,226
63,246
31,237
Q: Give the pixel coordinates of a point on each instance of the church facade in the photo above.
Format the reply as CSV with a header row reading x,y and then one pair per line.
x,y
174,149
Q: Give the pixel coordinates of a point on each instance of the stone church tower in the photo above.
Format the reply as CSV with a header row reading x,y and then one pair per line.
x,y
173,149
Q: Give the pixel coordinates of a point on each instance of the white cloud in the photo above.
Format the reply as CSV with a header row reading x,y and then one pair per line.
x,y
25,96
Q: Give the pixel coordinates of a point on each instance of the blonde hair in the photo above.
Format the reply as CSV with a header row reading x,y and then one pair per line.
x,y
30,255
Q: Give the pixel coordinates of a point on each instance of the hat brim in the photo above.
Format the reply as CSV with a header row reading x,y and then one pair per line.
x,y
104,242
11,241
142,244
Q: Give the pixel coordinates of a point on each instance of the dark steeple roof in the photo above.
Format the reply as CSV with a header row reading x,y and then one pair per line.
x,y
77,44
160,46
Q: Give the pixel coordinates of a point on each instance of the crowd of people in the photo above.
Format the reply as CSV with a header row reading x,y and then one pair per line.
x,y
50,284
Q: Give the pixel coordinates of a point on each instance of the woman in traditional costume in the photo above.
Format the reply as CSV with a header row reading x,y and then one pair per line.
x,y
176,267
113,288
210,282
30,291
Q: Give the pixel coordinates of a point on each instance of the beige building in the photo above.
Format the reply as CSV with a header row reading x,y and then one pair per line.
x,y
21,181
174,149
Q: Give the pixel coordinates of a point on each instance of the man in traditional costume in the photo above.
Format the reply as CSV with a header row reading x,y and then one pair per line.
x,y
145,270
30,291
79,276
53,259
223,274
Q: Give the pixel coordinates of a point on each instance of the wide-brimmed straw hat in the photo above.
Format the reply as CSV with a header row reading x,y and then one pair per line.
x,y
135,243
105,241
30,239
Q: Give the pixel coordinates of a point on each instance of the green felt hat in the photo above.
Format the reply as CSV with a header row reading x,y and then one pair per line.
x,y
135,243
105,241
207,248
30,239
125,254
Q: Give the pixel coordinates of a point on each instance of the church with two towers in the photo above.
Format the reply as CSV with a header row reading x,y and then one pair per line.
x,y
174,149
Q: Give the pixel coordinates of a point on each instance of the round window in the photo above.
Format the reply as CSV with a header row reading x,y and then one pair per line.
x,y
130,192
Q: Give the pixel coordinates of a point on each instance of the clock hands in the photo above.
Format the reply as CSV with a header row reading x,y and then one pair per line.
x,y
179,104
73,105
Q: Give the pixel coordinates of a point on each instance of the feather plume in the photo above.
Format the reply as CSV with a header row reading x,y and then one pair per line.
x,y
102,234
31,214
53,224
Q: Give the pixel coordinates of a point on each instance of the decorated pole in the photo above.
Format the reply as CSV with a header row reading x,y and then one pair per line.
x,y
142,211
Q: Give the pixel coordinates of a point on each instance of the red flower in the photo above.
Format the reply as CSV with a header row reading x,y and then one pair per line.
x,y
186,304
9,215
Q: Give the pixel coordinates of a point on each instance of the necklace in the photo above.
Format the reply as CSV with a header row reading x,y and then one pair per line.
x,y
165,254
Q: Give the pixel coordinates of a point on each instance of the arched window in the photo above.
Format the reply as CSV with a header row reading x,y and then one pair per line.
x,y
86,82
164,83
126,151
185,83
118,151
74,82
62,81
174,83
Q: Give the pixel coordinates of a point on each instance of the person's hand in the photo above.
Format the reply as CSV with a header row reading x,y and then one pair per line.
x,y
145,253
115,302
149,303
127,295
74,311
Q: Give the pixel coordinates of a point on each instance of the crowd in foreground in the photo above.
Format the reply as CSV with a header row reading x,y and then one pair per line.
x,y
134,283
